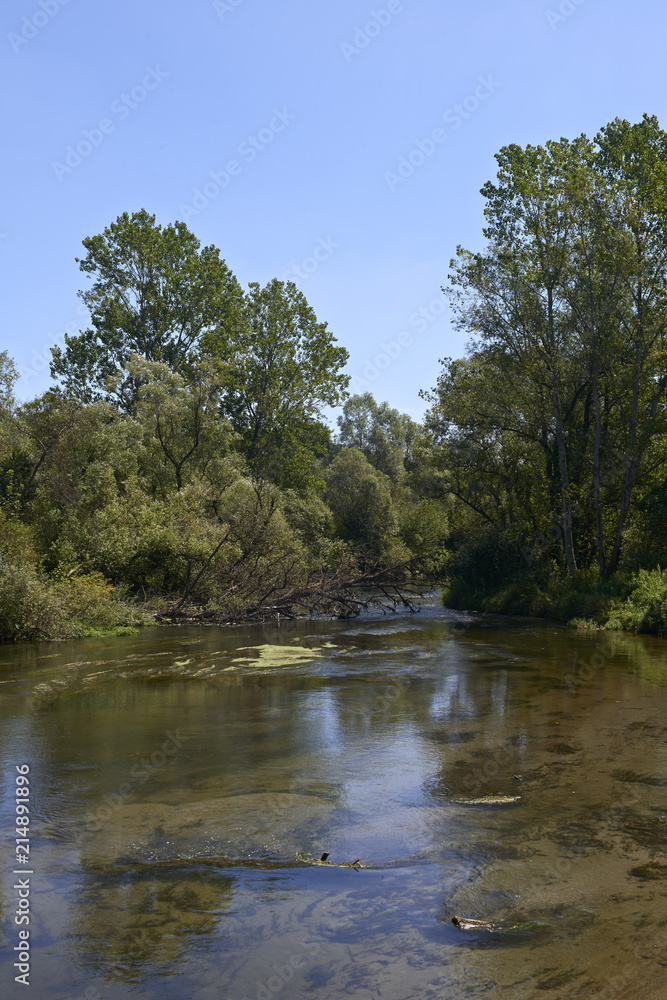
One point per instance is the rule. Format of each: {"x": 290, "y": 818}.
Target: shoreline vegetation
{"x": 179, "y": 469}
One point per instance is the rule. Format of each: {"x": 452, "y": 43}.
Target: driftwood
{"x": 466, "y": 924}
{"x": 340, "y": 594}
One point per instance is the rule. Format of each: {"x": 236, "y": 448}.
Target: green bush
{"x": 32, "y": 606}
{"x": 644, "y": 608}
{"x": 27, "y": 607}
{"x": 360, "y": 499}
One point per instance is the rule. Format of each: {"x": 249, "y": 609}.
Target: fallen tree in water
{"x": 341, "y": 594}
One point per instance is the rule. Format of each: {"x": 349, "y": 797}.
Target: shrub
{"x": 644, "y": 609}
{"x": 27, "y": 608}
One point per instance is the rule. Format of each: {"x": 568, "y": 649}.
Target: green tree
{"x": 155, "y": 293}
{"x": 633, "y": 159}
{"x": 284, "y": 366}
{"x": 568, "y": 299}
{"x": 360, "y": 499}
{"x": 512, "y": 293}
{"x": 185, "y": 437}
{"x": 384, "y": 435}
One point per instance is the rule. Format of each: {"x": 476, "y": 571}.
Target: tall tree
{"x": 378, "y": 430}
{"x": 512, "y": 294}
{"x": 284, "y": 366}
{"x": 155, "y": 293}
{"x": 634, "y": 157}
{"x": 569, "y": 298}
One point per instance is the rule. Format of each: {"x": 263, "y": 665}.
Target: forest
{"x": 181, "y": 468}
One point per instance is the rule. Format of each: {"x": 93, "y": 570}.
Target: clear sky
{"x": 277, "y": 130}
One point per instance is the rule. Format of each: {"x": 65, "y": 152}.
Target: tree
{"x": 185, "y": 436}
{"x": 284, "y": 366}
{"x": 512, "y": 294}
{"x": 634, "y": 158}
{"x": 155, "y": 293}
{"x": 382, "y": 433}
{"x": 360, "y": 499}
{"x": 563, "y": 397}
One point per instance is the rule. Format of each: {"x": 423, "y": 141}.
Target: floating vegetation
{"x": 518, "y": 927}
{"x": 269, "y": 656}
{"x": 467, "y": 924}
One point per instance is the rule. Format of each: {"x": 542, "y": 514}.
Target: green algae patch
{"x": 268, "y": 656}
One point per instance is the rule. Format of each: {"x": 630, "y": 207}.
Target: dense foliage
{"x": 551, "y": 431}
{"x": 180, "y": 465}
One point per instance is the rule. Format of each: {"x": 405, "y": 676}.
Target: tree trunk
{"x": 568, "y": 540}
{"x": 602, "y": 559}
{"x": 632, "y": 460}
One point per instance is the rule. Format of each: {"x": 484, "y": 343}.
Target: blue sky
{"x": 342, "y": 145}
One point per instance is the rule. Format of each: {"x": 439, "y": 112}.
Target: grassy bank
{"x": 634, "y": 602}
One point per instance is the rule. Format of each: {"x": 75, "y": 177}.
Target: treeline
{"x": 551, "y": 432}
{"x": 179, "y": 467}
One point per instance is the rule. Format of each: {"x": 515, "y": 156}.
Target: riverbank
{"x": 35, "y": 607}
{"x": 635, "y": 602}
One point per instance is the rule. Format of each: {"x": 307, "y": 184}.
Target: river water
{"x": 185, "y": 783}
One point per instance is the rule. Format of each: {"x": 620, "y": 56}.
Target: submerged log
{"x": 489, "y": 800}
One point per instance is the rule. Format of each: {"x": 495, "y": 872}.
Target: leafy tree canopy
{"x": 284, "y": 366}
{"x": 384, "y": 435}
{"x": 155, "y": 293}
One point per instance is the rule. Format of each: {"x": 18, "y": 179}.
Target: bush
{"x": 644, "y": 609}
{"x": 27, "y": 608}
{"x": 360, "y": 499}
{"x": 482, "y": 565}
{"x": 34, "y": 607}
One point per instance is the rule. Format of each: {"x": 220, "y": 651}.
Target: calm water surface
{"x": 184, "y": 783}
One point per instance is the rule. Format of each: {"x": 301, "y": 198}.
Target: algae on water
{"x": 279, "y": 656}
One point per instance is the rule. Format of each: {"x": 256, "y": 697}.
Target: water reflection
{"x": 185, "y": 783}
{"x": 138, "y": 923}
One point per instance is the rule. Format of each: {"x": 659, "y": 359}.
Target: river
{"x": 185, "y": 783}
